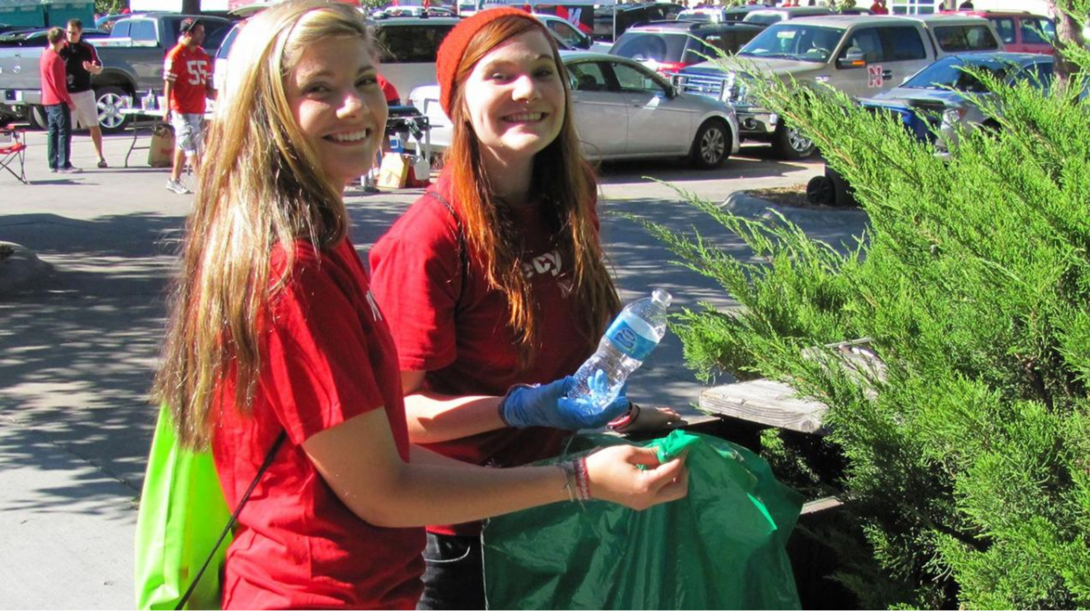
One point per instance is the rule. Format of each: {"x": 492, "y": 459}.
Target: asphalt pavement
{"x": 78, "y": 346}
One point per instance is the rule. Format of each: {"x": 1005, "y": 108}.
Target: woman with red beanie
{"x": 494, "y": 279}
{"x": 279, "y": 359}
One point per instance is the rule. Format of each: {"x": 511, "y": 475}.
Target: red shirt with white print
{"x": 327, "y": 356}
{"x": 189, "y": 70}
{"x": 459, "y": 334}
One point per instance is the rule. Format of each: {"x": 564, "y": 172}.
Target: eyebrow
{"x": 326, "y": 73}
{"x": 501, "y": 61}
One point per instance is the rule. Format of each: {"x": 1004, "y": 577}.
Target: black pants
{"x": 453, "y": 573}
{"x": 59, "y": 142}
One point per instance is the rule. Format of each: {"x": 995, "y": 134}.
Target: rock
{"x": 20, "y": 268}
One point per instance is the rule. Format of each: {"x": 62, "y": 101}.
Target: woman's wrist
{"x": 627, "y": 420}
{"x": 576, "y": 479}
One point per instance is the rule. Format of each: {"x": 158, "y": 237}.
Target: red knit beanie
{"x": 454, "y": 47}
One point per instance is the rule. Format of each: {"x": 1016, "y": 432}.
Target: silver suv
{"x": 859, "y": 55}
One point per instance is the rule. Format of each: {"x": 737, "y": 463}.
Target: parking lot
{"x": 79, "y": 347}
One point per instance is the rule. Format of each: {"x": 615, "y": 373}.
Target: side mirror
{"x": 853, "y": 58}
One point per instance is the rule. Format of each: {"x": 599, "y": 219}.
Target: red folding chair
{"x": 13, "y": 151}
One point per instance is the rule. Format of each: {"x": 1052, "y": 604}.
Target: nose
{"x": 353, "y": 105}
{"x": 525, "y": 88}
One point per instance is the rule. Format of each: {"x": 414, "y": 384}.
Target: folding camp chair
{"x": 13, "y": 151}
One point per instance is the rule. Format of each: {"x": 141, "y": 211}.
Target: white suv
{"x": 859, "y": 55}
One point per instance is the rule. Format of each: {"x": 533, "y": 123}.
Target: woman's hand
{"x": 549, "y": 405}
{"x": 615, "y": 476}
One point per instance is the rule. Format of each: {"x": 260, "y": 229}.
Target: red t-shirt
{"x": 460, "y": 336}
{"x": 54, "y": 80}
{"x": 327, "y": 357}
{"x": 188, "y": 70}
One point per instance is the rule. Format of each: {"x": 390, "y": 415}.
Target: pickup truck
{"x": 860, "y": 55}
{"x": 132, "y": 62}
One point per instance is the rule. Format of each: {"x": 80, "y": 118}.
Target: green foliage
{"x": 967, "y": 463}
{"x": 109, "y": 7}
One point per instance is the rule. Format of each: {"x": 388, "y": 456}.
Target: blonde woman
{"x": 274, "y": 334}
{"x": 495, "y": 277}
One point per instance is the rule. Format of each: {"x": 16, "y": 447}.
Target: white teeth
{"x": 350, "y": 137}
{"x": 528, "y": 116}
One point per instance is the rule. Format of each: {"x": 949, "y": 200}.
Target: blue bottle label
{"x": 625, "y": 338}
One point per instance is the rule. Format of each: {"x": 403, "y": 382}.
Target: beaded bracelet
{"x": 576, "y": 480}
{"x": 568, "y": 469}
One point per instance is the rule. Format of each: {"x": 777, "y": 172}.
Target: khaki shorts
{"x": 86, "y": 113}
{"x": 188, "y": 135}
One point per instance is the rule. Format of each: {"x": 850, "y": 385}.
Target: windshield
{"x": 950, "y": 73}
{"x": 798, "y": 42}
{"x": 644, "y": 46}
{"x": 763, "y": 18}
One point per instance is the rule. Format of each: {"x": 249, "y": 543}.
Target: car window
{"x": 763, "y": 18}
{"x": 642, "y": 46}
{"x": 1037, "y": 73}
{"x": 410, "y": 43}
{"x": 965, "y": 38}
{"x": 1005, "y": 27}
{"x": 215, "y": 32}
{"x": 869, "y": 42}
{"x": 225, "y": 46}
{"x": 587, "y": 76}
{"x": 904, "y": 44}
{"x": 950, "y": 73}
{"x": 567, "y": 33}
{"x": 790, "y": 41}
{"x": 1032, "y": 30}
{"x": 633, "y": 79}
{"x": 121, "y": 29}
{"x": 143, "y": 30}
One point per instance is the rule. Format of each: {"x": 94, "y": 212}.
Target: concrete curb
{"x": 21, "y": 269}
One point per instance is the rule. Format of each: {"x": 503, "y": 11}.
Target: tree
{"x": 967, "y": 460}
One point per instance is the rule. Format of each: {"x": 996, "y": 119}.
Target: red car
{"x": 1021, "y": 32}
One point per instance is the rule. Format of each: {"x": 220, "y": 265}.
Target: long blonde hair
{"x": 261, "y": 184}
{"x": 561, "y": 178}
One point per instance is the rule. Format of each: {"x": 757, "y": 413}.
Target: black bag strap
{"x": 234, "y": 518}
{"x": 463, "y": 254}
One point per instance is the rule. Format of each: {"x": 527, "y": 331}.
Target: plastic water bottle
{"x": 624, "y": 347}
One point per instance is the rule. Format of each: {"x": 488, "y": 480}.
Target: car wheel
{"x": 820, "y": 191}
{"x": 789, "y": 143}
{"x": 36, "y": 115}
{"x": 711, "y": 145}
{"x": 109, "y": 102}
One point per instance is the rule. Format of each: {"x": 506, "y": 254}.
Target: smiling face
{"x": 335, "y": 98}
{"x": 515, "y": 97}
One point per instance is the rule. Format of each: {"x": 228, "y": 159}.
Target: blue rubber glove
{"x": 549, "y": 405}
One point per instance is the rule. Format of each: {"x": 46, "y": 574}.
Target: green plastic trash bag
{"x": 722, "y": 547}
{"x": 182, "y": 513}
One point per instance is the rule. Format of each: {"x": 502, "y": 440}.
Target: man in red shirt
{"x": 187, "y": 75}
{"x": 57, "y": 102}
{"x": 879, "y": 8}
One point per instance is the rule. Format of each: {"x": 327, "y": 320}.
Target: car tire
{"x": 36, "y": 116}
{"x": 790, "y": 144}
{"x": 711, "y": 146}
{"x": 820, "y": 191}
{"x": 109, "y": 101}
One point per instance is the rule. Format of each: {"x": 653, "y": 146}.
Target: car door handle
{"x": 887, "y": 74}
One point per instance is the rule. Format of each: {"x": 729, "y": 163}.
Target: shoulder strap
{"x": 234, "y": 518}
{"x": 463, "y": 254}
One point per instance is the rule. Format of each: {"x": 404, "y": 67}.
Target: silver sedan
{"x": 625, "y": 111}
